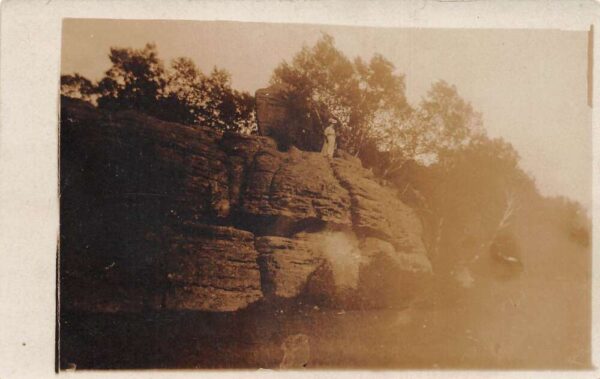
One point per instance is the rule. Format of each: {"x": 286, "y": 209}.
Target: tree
{"x": 136, "y": 80}
{"x": 191, "y": 97}
{"x": 184, "y": 95}
{"x": 480, "y": 187}
{"x": 226, "y": 108}
{"x": 443, "y": 123}
{"x": 360, "y": 96}
{"x": 78, "y": 87}
{"x": 571, "y": 217}
{"x": 452, "y": 121}
{"x": 405, "y": 139}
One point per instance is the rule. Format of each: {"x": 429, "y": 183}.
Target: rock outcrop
{"x": 156, "y": 215}
{"x": 376, "y": 210}
{"x": 281, "y": 117}
{"x": 271, "y": 109}
{"x": 295, "y": 186}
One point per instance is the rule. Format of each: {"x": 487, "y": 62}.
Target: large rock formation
{"x": 156, "y": 215}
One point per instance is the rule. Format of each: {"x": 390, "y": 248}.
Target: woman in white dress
{"x": 329, "y": 145}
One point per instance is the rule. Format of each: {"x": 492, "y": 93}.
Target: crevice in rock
{"x": 238, "y": 172}
{"x": 282, "y": 226}
{"x": 244, "y": 179}
{"x": 212, "y": 286}
{"x": 353, "y": 200}
{"x": 282, "y": 164}
{"x": 266, "y": 283}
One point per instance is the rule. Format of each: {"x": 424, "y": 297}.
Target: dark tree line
{"x": 180, "y": 93}
{"x": 366, "y": 98}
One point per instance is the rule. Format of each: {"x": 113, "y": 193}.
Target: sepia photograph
{"x": 296, "y": 196}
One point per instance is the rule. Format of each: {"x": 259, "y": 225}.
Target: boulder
{"x": 506, "y": 253}
{"x": 271, "y": 109}
{"x": 286, "y": 264}
{"x": 283, "y": 117}
{"x": 212, "y": 268}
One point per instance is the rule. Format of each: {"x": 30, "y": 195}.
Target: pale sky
{"x": 530, "y": 85}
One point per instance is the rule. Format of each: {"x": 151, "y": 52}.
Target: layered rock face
{"x": 156, "y": 215}
{"x": 376, "y": 210}
{"x": 295, "y": 186}
{"x": 212, "y": 268}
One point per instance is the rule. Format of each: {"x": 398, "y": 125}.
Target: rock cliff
{"x": 156, "y": 215}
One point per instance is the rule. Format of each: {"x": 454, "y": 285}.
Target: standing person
{"x": 329, "y": 144}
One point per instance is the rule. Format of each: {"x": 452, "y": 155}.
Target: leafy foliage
{"x": 367, "y": 101}
{"x": 194, "y": 98}
{"x": 452, "y": 121}
{"x": 139, "y": 80}
{"x": 360, "y": 96}
{"x": 136, "y": 80}
{"x": 78, "y": 87}
{"x": 572, "y": 218}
